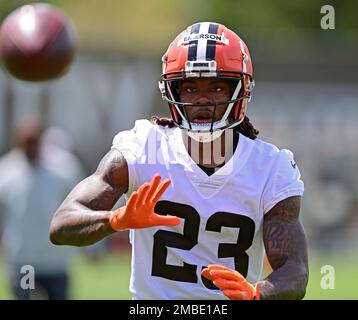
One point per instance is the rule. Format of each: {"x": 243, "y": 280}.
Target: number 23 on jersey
{"x": 189, "y": 239}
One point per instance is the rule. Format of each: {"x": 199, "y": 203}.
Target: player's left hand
{"x": 231, "y": 283}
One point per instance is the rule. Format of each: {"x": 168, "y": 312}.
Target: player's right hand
{"x": 139, "y": 211}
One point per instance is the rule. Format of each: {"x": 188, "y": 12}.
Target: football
{"x": 37, "y": 43}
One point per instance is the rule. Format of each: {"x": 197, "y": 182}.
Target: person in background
{"x": 57, "y": 154}
{"x": 30, "y": 190}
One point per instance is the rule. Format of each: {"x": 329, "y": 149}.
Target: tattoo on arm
{"x": 286, "y": 251}
{"x": 107, "y": 184}
{"x": 83, "y": 218}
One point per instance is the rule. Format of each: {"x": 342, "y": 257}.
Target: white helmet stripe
{"x": 202, "y": 42}
{"x": 244, "y": 58}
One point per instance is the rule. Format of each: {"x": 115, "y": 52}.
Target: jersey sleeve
{"x": 131, "y": 143}
{"x": 284, "y": 181}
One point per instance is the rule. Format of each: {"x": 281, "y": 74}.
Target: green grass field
{"x": 108, "y": 278}
{"x": 346, "y": 280}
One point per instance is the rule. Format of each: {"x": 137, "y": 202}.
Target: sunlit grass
{"x": 108, "y": 278}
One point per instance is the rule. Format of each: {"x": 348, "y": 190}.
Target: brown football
{"x": 37, "y": 42}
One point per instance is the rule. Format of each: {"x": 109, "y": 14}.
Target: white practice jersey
{"x": 221, "y": 214}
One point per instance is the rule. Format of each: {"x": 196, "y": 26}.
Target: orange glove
{"x": 139, "y": 211}
{"x": 231, "y": 283}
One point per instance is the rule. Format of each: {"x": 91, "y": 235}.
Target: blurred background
{"x": 306, "y": 99}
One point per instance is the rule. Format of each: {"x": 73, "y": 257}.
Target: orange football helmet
{"x": 207, "y": 49}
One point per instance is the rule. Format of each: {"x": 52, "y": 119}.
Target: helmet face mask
{"x": 207, "y": 50}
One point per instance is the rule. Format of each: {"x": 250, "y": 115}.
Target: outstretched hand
{"x": 139, "y": 211}
{"x": 232, "y": 283}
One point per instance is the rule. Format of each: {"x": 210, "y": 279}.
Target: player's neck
{"x": 211, "y": 154}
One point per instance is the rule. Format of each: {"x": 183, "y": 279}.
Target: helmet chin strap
{"x": 205, "y": 136}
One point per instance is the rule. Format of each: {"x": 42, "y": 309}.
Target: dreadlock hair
{"x": 163, "y": 121}
{"x": 245, "y": 127}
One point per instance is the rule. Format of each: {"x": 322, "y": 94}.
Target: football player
{"x": 205, "y": 196}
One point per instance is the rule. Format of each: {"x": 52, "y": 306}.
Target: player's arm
{"x": 83, "y": 217}
{"x": 286, "y": 249}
